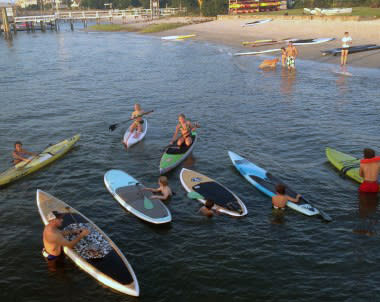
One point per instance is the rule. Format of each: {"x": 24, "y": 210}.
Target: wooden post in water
{"x": 72, "y": 24}
{"x": 14, "y": 28}
{"x": 33, "y": 28}
{"x": 14, "y": 21}
{"x": 7, "y": 30}
{"x": 27, "y": 26}
{"x": 42, "y": 24}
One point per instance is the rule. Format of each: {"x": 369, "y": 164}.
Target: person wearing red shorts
{"x": 369, "y": 170}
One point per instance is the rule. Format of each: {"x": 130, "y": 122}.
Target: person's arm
{"x": 151, "y": 189}
{"x": 297, "y": 199}
{"x": 16, "y": 156}
{"x": 29, "y": 153}
{"x": 175, "y": 135}
{"x": 164, "y": 196}
{"x": 70, "y": 244}
{"x": 361, "y": 171}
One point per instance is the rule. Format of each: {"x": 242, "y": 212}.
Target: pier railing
{"x": 101, "y": 14}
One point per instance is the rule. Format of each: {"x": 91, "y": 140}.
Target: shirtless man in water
{"x": 291, "y": 55}
{"x": 280, "y": 199}
{"x": 19, "y": 154}
{"x": 54, "y": 239}
{"x": 369, "y": 170}
{"x": 185, "y": 127}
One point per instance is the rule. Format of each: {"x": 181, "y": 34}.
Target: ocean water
{"x": 54, "y": 85}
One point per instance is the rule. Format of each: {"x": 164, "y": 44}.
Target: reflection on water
{"x": 367, "y": 209}
{"x": 288, "y": 78}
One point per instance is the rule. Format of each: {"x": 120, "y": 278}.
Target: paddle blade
{"x": 194, "y": 195}
{"x": 326, "y": 217}
{"x": 112, "y": 127}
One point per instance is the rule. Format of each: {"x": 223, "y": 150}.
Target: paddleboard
{"x": 225, "y": 200}
{"x": 266, "y": 183}
{"x": 130, "y": 194}
{"x": 175, "y": 155}
{"x": 133, "y": 140}
{"x": 351, "y": 50}
{"x": 49, "y": 155}
{"x": 344, "y": 73}
{"x": 311, "y": 41}
{"x": 107, "y": 264}
{"x": 177, "y": 37}
{"x": 251, "y": 53}
{"x": 253, "y": 23}
{"x": 345, "y": 163}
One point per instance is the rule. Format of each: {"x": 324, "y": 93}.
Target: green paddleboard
{"x": 346, "y": 164}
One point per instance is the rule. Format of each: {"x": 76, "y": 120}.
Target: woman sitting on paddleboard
{"x": 19, "y": 154}
{"x": 186, "y": 127}
{"x": 137, "y": 124}
{"x": 163, "y": 188}
{"x": 280, "y": 199}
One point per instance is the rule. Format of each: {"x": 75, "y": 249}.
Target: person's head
{"x": 209, "y": 204}
{"x": 55, "y": 218}
{"x": 137, "y": 107}
{"x": 283, "y": 49}
{"x": 280, "y": 189}
{"x": 290, "y": 43}
{"x": 163, "y": 180}
{"x": 181, "y": 118}
{"x": 369, "y": 153}
{"x": 346, "y": 33}
{"x": 18, "y": 145}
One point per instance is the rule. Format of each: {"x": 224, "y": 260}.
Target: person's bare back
{"x": 370, "y": 171}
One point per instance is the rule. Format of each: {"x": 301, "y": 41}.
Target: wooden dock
{"x": 42, "y": 22}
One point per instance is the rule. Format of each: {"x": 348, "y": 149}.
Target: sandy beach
{"x": 230, "y": 32}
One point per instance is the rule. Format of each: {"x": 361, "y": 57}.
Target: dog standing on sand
{"x": 269, "y": 63}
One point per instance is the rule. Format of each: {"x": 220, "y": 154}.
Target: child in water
{"x": 283, "y": 56}
{"x": 163, "y": 188}
{"x": 137, "y": 123}
{"x": 207, "y": 210}
{"x": 280, "y": 199}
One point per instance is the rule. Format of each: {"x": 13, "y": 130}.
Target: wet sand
{"x": 230, "y": 32}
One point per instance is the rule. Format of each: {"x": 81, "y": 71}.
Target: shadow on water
{"x": 367, "y": 213}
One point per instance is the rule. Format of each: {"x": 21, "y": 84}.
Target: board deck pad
{"x": 174, "y": 149}
{"x": 220, "y": 195}
{"x": 141, "y": 202}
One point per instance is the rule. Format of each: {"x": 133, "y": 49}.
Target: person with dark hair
{"x": 283, "y": 56}
{"x": 369, "y": 170}
{"x": 19, "y": 154}
{"x": 207, "y": 209}
{"x": 185, "y": 127}
{"x": 281, "y": 198}
{"x": 291, "y": 54}
{"x": 163, "y": 188}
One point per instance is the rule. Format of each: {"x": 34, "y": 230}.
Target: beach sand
{"x": 231, "y": 33}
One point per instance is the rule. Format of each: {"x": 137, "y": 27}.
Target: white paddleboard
{"x": 343, "y": 73}
{"x": 130, "y": 195}
{"x": 313, "y": 41}
{"x": 182, "y": 37}
{"x": 251, "y": 53}
{"x": 135, "y": 138}
{"x": 253, "y": 23}
{"x": 108, "y": 265}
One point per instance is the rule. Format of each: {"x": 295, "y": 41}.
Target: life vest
{"x": 370, "y": 160}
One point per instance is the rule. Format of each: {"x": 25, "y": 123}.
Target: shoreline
{"x": 231, "y": 33}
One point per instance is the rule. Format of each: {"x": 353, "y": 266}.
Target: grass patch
{"x": 112, "y": 28}
{"x": 154, "y": 28}
{"x": 356, "y": 11}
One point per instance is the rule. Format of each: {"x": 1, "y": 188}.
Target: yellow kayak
{"x": 46, "y": 157}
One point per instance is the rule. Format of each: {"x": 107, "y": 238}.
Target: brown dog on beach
{"x": 269, "y": 64}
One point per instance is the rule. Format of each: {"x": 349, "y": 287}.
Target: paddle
{"x": 114, "y": 126}
{"x": 195, "y": 195}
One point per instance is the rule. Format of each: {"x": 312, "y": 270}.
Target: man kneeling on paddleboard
{"x": 186, "y": 127}
{"x": 19, "y": 154}
{"x": 280, "y": 199}
{"x": 54, "y": 238}
{"x": 369, "y": 170}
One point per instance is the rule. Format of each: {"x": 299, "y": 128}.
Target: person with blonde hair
{"x": 163, "y": 188}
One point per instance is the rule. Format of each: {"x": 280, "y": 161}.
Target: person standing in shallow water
{"x": 346, "y": 43}
{"x": 291, "y": 55}
{"x": 369, "y": 170}
{"x": 54, "y": 239}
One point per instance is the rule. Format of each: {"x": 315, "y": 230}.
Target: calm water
{"x": 55, "y": 85}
